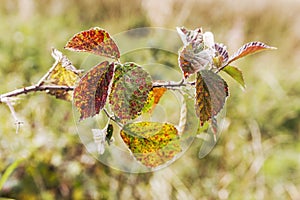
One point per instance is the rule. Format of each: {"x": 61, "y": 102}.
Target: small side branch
{"x": 8, "y": 98}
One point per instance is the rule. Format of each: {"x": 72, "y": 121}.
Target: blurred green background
{"x": 258, "y": 154}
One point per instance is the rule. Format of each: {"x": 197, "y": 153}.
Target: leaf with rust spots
{"x": 152, "y": 143}
{"x": 211, "y": 93}
{"x": 91, "y": 93}
{"x": 96, "y": 41}
{"x": 130, "y": 90}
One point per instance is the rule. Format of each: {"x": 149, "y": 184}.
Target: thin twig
{"x": 34, "y": 88}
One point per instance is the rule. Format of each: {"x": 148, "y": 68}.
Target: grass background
{"x": 258, "y": 154}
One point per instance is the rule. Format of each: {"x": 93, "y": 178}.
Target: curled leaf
{"x": 130, "y": 90}
{"x": 236, "y": 74}
{"x": 62, "y": 73}
{"x": 191, "y": 62}
{"x": 152, "y": 143}
{"x": 96, "y": 41}
{"x": 249, "y": 48}
{"x": 211, "y": 93}
{"x": 91, "y": 93}
{"x": 222, "y": 56}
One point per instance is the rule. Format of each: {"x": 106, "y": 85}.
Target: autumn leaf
{"x": 153, "y": 98}
{"x": 222, "y": 56}
{"x": 91, "y": 93}
{"x": 96, "y": 41}
{"x": 152, "y": 143}
{"x": 236, "y": 74}
{"x": 130, "y": 90}
{"x": 249, "y": 48}
{"x": 191, "y": 61}
{"x": 211, "y": 93}
{"x": 198, "y": 51}
{"x": 190, "y": 36}
{"x": 62, "y": 73}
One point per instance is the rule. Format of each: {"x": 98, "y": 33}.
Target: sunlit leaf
{"x": 211, "y": 93}
{"x": 187, "y": 36}
{"x": 94, "y": 40}
{"x": 130, "y": 90}
{"x": 153, "y": 98}
{"x": 62, "y": 73}
{"x": 249, "y": 48}
{"x": 191, "y": 61}
{"x": 152, "y": 143}
{"x": 235, "y": 73}
{"x": 222, "y": 56}
{"x": 91, "y": 93}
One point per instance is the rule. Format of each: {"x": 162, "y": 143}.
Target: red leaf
{"x": 249, "y": 48}
{"x": 91, "y": 93}
{"x": 94, "y": 40}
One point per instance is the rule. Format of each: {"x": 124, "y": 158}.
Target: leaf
{"x": 188, "y": 36}
{"x": 211, "y": 93}
{"x": 96, "y": 41}
{"x": 191, "y": 62}
{"x": 249, "y": 48}
{"x": 130, "y": 90}
{"x": 153, "y": 98}
{"x": 62, "y": 73}
{"x": 235, "y": 73}
{"x": 152, "y": 143}
{"x": 222, "y": 56}
{"x": 10, "y": 169}
{"x": 91, "y": 93}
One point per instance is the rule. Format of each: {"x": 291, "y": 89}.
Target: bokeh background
{"x": 257, "y": 155}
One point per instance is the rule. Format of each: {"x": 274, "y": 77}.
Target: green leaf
{"x": 249, "y": 48}
{"x": 91, "y": 93}
{"x": 211, "y": 93}
{"x": 8, "y": 172}
{"x": 152, "y": 143}
{"x": 62, "y": 73}
{"x": 96, "y": 41}
{"x": 130, "y": 90}
{"x": 235, "y": 73}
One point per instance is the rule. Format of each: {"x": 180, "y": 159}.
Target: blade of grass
{"x": 9, "y": 171}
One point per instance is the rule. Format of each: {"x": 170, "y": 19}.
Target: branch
{"x": 33, "y": 88}
{"x": 172, "y": 84}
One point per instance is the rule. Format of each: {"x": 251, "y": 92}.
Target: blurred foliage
{"x": 257, "y": 156}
